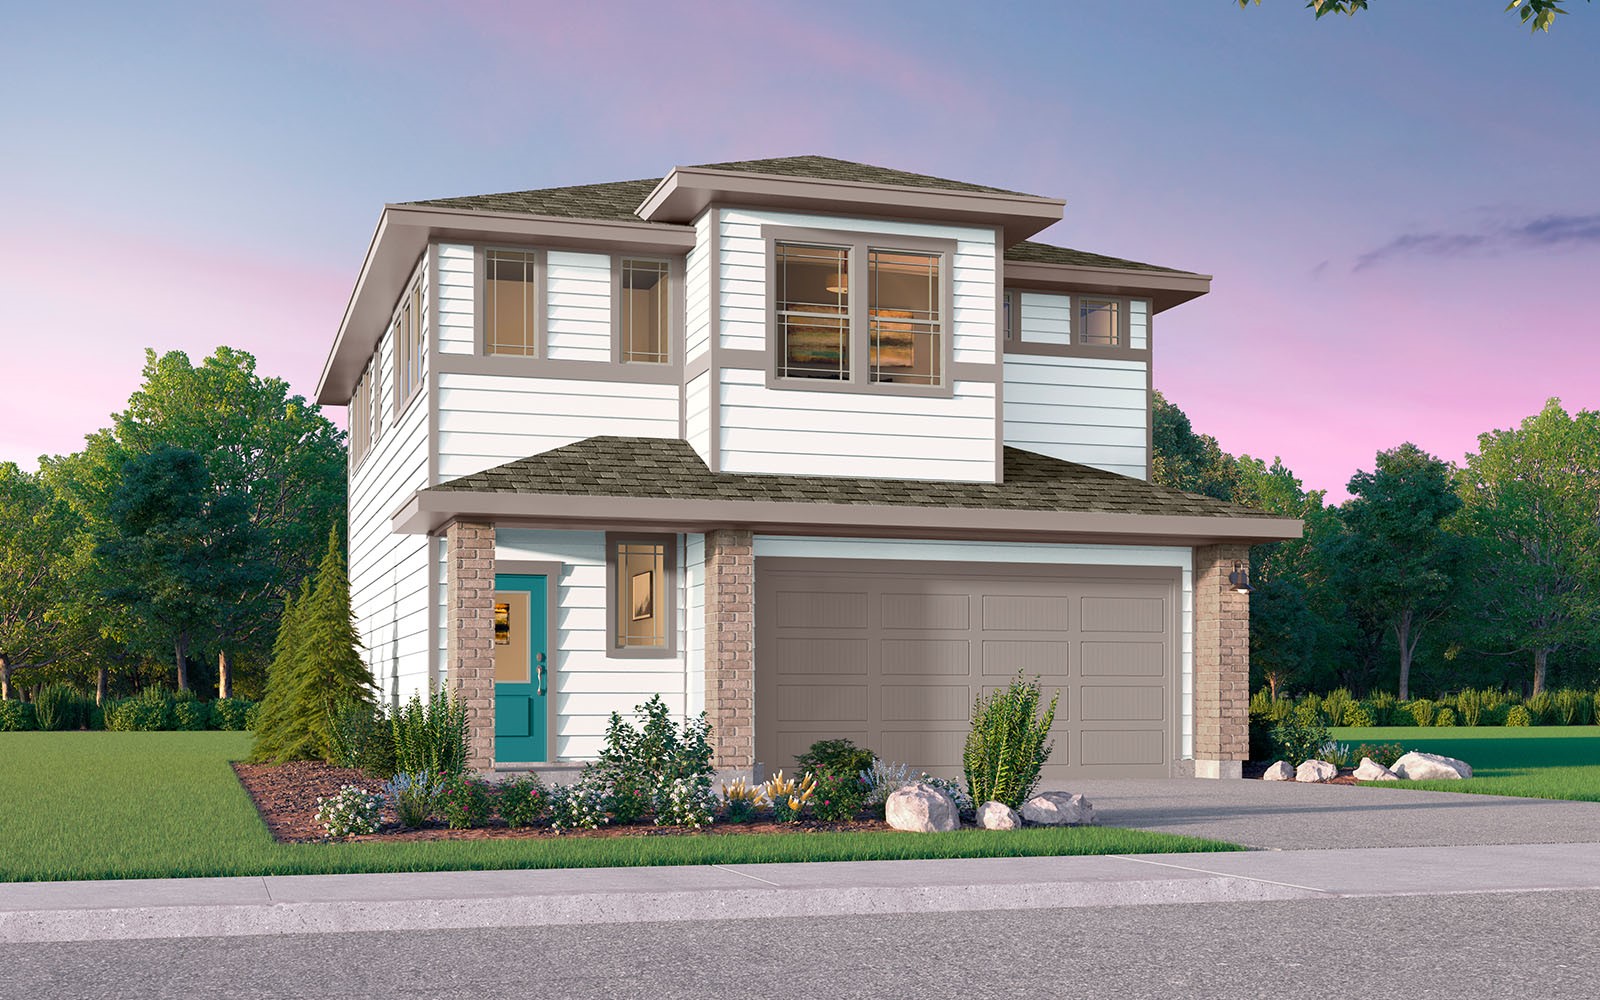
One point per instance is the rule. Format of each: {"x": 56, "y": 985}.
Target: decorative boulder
{"x": 1419, "y": 766}
{"x": 921, "y": 808}
{"x": 1281, "y": 771}
{"x": 998, "y": 816}
{"x": 1316, "y": 770}
{"x": 1371, "y": 770}
{"x": 1058, "y": 809}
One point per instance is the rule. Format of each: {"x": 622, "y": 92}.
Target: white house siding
{"x": 578, "y": 306}
{"x": 487, "y": 420}
{"x": 694, "y": 585}
{"x": 697, "y": 415}
{"x": 1139, "y": 324}
{"x": 456, "y": 285}
{"x": 388, "y": 571}
{"x": 589, "y": 686}
{"x": 1176, "y": 557}
{"x": 1046, "y": 318}
{"x": 697, "y": 292}
{"x": 1082, "y": 410}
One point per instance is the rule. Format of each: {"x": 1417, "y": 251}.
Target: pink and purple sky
{"x": 1401, "y": 210}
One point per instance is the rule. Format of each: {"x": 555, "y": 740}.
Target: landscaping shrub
{"x": 840, "y": 797}
{"x": 685, "y": 801}
{"x": 1446, "y": 717}
{"x": 1541, "y": 709}
{"x": 1335, "y": 704}
{"x": 836, "y": 757}
{"x": 361, "y": 738}
{"x": 190, "y": 716}
{"x": 1008, "y": 743}
{"x": 789, "y": 797}
{"x": 578, "y": 806}
{"x": 1381, "y": 753}
{"x": 151, "y": 710}
{"x": 59, "y": 707}
{"x": 413, "y": 795}
{"x": 1422, "y": 711}
{"x": 1518, "y": 715}
{"x": 430, "y": 738}
{"x": 16, "y": 716}
{"x": 656, "y": 768}
{"x": 1571, "y": 708}
{"x": 465, "y": 802}
{"x": 230, "y": 714}
{"x": 1359, "y": 714}
{"x": 97, "y": 717}
{"x": 349, "y": 812}
{"x": 1337, "y": 754}
{"x": 1301, "y": 735}
{"x": 1469, "y": 704}
{"x": 953, "y": 789}
{"x": 521, "y": 800}
{"x": 740, "y": 801}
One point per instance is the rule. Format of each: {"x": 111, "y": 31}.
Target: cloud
{"x": 1542, "y": 233}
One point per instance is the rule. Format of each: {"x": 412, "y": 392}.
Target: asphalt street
{"x": 1501, "y": 945}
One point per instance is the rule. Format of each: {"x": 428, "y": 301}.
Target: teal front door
{"x": 522, "y": 668}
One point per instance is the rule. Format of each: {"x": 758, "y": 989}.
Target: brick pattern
{"x": 1221, "y": 656}
{"x": 469, "y": 657}
{"x": 730, "y": 646}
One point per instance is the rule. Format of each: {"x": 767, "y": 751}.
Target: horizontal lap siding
{"x": 456, "y": 309}
{"x": 487, "y": 420}
{"x": 697, "y": 291}
{"x": 578, "y": 306}
{"x": 388, "y": 571}
{"x": 695, "y": 625}
{"x": 1176, "y": 557}
{"x": 697, "y": 415}
{"x": 589, "y": 686}
{"x": 1079, "y": 409}
{"x": 855, "y": 433}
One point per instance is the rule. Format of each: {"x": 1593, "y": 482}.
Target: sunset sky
{"x": 1400, "y": 210}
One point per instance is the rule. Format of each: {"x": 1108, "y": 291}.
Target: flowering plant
{"x": 349, "y": 811}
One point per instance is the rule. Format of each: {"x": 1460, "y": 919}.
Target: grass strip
{"x": 163, "y": 805}
{"x": 1544, "y": 762}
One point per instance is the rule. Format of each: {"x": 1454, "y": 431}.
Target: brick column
{"x": 730, "y": 646}
{"x": 469, "y": 656}
{"x": 1221, "y": 663}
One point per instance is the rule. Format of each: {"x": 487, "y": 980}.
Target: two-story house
{"x": 819, "y": 448}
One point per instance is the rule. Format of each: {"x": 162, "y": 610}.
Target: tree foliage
{"x": 36, "y": 531}
{"x": 1538, "y": 15}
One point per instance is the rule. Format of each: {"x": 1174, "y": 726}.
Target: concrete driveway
{"x": 1287, "y": 816}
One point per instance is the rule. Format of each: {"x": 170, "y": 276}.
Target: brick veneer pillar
{"x": 1221, "y": 664}
{"x": 730, "y": 646}
{"x": 469, "y": 648}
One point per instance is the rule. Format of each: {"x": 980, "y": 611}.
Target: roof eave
{"x": 687, "y": 191}
{"x": 428, "y": 511}
{"x": 1166, "y": 289}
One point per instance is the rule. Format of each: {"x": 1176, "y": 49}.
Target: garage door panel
{"x": 790, "y": 745}
{"x": 824, "y": 703}
{"x": 1059, "y": 724}
{"x": 1122, "y": 747}
{"x": 927, "y": 611}
{"x": 1034, "y": 657}
{"x": 937, "y": 751}
{"x": 804, "y": 657}
{"x": 926, "y": 657}
{"x": 1122, "y": 659}
{"x": 821, "y": 609}
{"x": 926, "y": 703}
{"x": 1120, "y": 703}
{"x": 1026, "y": 612}
{"x": 1124, "y": 614}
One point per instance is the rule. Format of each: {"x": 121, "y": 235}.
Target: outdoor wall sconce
{"x": 1240, "y": 579}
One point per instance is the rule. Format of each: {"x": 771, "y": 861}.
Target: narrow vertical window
{"x": 813, "y": 311}
{"x": 645, "y": 311}
{"x": 1100, "y": 322}
{"x": 904, "y": 324}
{"x": 509, "y": 303}
{"x": 642, "y": 613}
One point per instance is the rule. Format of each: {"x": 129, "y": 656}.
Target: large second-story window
{"x": 644, "y": 315}
{"x": 904, "y": 317}
{"x": 813, "y": 311}
{"x": 509, "y": 303}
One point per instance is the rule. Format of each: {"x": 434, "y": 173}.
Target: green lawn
{"x": 150, "y": 805}
{"x": 1541, "y": 762}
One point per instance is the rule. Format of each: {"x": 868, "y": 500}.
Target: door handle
{"x": 544, "y": 677}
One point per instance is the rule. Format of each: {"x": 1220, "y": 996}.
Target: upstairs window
{"x": 1100, "y": 322}
{"x": 360, "y": 419}
{"x": 408, "y": 347}
{"x": 510, "y": 303}
{"x": 813, "y": 311}
{"x": 904, "y": 318}
{"x": 643, "y": 312}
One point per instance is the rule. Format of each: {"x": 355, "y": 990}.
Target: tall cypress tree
{"x": 272, "y": 727}
{"x": 319, "y": 669}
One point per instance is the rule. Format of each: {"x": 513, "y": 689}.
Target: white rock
{"x": 921, "y": 809}
{"x": 998, "y": 816}
{"x": 1371, "y": 770}
{"x": 1281, "y": 771}
{"x": 1316, "y": 770}
{"x": 1058, "y": 809}
{"x": 1419, "y": 766}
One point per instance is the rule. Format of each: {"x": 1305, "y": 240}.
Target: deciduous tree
{"x": 36, "y": 531}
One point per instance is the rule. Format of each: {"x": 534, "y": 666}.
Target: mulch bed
{"x": 286, "y": 797}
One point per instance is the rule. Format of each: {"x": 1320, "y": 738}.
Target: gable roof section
{"x": 644, "y": 479}
{"x": 1031, "y": 252}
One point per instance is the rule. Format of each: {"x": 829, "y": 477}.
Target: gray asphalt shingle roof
{"x": 669, "y": 469}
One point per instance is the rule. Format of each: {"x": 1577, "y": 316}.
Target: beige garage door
{"x": 891, "y": 655}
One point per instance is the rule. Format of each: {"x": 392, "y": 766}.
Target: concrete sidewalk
{"x": 161, "y": 908}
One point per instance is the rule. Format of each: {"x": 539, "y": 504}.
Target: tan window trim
{"x": 859, "y": 243}
{"x": 541, "y": 307}
{"x": 410, "y": 338}
{"x": 1124, "y": 352}
{"x": 675, "y": 307}
{"x": 669, "y": 593}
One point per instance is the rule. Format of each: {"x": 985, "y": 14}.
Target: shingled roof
{"x": 1030, "y": 252}
{"x": 669, "y": 469}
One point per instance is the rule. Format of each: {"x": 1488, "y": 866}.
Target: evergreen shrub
{"x": 16, "y": 716}
{"x": 1008, "y": 743}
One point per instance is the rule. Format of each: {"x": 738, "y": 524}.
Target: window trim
{"x": 669, "y": 590}
{"x": 675, "y": 308}
{"x": 859, "y": 243}
{"x": 409, "y": 313}
{"x": 480, "y": 289}
{"x": 359, "y": 418}
{"x": 1015, "y": 345}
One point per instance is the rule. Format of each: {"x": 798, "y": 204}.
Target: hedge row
{"x": 60, "y": 707}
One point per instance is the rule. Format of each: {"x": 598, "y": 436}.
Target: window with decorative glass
{"x": 644, "y": 312}
{"x": 813, "y": 304}
{"x": 640, "y": 572}
{"x": 408, "y": 347}
{"x": 1100, "y": 322}
{"x": 510, "y": 303}
{"x": 904, "y": 321}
